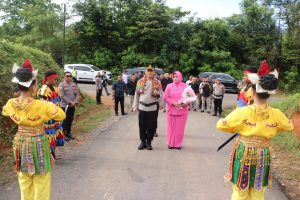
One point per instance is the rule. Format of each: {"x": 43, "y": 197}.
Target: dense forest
{"x": 118, "y": 34}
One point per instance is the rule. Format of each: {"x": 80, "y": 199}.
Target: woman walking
{"x": 250, "y": 160}
{"x": 33, "y": 159}
{"x": 177, "y": 112}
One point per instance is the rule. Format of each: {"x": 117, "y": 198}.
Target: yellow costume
{"x": 31, "y": 146}
{"x": 250, "y": 160}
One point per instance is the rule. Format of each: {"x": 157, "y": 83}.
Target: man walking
{"x": 195, "y": 86}
{"x": 131, "y": 86}
{"x": 98, "y": 82}
{"x": 118, "y": 90}
{"x": 147, "y": 100}
{"x": 205, "y": 90}
{"x": 218, "y": 95}
{"x": 167, "y": 80}
{"x": 104, "y": 83}
{"x": 69, "y": 94}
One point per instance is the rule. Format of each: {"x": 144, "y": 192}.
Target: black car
{"x": 205, "y": 74}
{"x": 228, "y": 81}
{"x": 142, "y": 70}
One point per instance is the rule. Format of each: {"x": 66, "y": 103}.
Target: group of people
{"x": 209, "y": 94}
{"x": 254, "y": 123}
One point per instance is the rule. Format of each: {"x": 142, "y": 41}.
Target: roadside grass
{"x": 92, "y": 119}
{"x": 287, "y": 141}
{"x": 89, "y": 115}
{"x": 289, "y": 106}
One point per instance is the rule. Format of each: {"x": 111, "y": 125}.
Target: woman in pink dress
{"x": 176, "y": 113}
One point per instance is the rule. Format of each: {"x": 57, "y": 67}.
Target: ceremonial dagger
{"x": 227, "y": 141}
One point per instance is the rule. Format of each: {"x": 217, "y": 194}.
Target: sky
{"x": 206, "y": 9}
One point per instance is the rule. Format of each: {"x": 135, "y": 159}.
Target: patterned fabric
{"x": 32, "y": 154}
{"x": 250, "y": 165}
{"x": 156, "y": 86}
{"x": 53, "y": 128}
{"x": 245, "y": 97}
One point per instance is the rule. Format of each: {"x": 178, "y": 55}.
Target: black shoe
{"x": 155, "y": 134}
{"x": 149, "y": 147}
{"x": 124, "y": 113}
{"x": 68, "y": 138}
{"x": 215, "y": 114}
{"x": 202, "y": 110}
{"x": 195, "y": 110}
{"x": 179, "y": 148}
{"x": 164, "y": 111}
{"x": 116, "y": 114}
{"x": 142, "y": 145}
{"x": 208, "y": 111}
{"x": 169, "y": 147}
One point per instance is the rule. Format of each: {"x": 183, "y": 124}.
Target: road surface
{"x": 110, "y": 167}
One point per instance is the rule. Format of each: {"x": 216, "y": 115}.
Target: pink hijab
{"x": 179, "y": 76}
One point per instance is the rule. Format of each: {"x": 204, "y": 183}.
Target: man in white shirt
{"x": 125, "y": 77}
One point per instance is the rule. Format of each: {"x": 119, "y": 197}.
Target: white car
{"x": 85, "y": 72}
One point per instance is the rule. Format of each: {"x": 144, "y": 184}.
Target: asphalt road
{"x": 110, "y": 167}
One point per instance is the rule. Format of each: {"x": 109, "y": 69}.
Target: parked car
{"x": 137, "y": 70}
{"x": 228, "y": 81}
{"x": 85, "y": 72}
{"x": 205, "y": 74}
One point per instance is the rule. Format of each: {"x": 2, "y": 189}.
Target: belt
{"x": 31, "y": 130}
{"x": 255, "y": 141}
{"x": 148, "y": 104}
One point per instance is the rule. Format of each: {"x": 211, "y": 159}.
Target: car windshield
{"x": 227, "y": 77}
{"x": 94, "y": 68}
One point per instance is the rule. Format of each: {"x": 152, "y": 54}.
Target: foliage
{"x": 118, "y": 34}
{"x": 34, "y": 23}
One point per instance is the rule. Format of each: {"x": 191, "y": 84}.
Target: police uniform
{"x": 68, "y": 93}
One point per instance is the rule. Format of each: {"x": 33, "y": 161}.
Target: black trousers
{"x": 218, "y": 105}
{"x": 121, "y": 100}
{"x": 156, "y": 116}
{"x": 67, "y": 123}
{"x": 147, "y": 123}
{"x": 105, "y": 87}
{"x": 98, "y": 96}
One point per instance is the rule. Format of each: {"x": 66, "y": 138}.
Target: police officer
{"x": 69, "y": 94}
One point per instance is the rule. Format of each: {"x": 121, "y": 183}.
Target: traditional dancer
{"x": 147, "y": 100}
{"x": 177, "y": 113}
{"x": 250, "y": 160}
{"x": 53, "y": 128}
{"x": 33, "y": 159}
